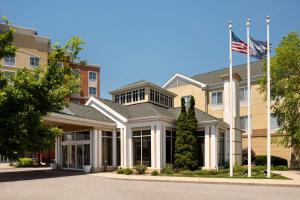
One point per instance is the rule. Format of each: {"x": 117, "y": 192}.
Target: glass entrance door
{"x": 75, "y": 155}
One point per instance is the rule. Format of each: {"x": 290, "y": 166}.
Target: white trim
{"x": 62, "y": 118}
{"x": 192, "y": 81}
{"x": 96, "y": 101}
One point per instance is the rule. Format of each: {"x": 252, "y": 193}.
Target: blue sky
{"x": 155, "y": 39}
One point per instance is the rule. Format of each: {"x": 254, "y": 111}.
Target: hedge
{"x": 275, "y": 161}
{"x": 25, "y": 162}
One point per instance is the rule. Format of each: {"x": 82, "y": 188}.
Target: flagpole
{"x": 249, "y": 97}
{"x": 268, "y": 100}
{"x": 230, "y": 102}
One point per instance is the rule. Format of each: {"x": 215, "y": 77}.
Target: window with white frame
{"x": 128, "y": 96}
{"x": 117, "y": 98}
{"x": 92, "y": 76}
{"x": 10, "y": 61}
{"x": 243, "y": 94}
{"x": 34, "y": 61}
{"x": 92, "y": 91}
{"x": 217, "y": 98}
{"x": 244, "y": 122}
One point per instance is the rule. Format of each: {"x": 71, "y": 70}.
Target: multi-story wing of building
{"x": 211, "y": 93}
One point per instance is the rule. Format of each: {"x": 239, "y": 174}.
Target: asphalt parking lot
{"x": 31, "y": 183}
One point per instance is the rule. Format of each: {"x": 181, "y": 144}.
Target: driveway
{"x": 46, "y": 184}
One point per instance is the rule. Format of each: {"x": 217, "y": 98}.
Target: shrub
{"x": 25, "y": 162}
{"x": 120, "y": 170}
{"x": 245, "y": 156}
{"x": 275, "y": 161}
{"x": 226, "y": 164}
{"x": 168, "y": 170}
{"x": 209, "y": 172}
{"x": 154, "y": 173}
{"x": 187, "y": 173}
{"x": 280, "y": 168}
{"x": 126, "y": 171}
{"x": 141, "y": 169}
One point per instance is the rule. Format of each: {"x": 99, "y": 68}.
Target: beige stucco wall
{"x": 259, "y": 146}
{"x": 28, "y": 45}
{"x": 186, "y": 90}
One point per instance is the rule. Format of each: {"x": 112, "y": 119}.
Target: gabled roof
{"x": 86, "y": 112}
{"x": 141, "y": 83}
{"x": 214, "y": 77}
{"x": 185, "y": 78}
{"x": 147, "y": 109}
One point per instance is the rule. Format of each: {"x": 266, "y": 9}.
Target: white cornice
{"x": 62, "y": 118}
{"x": 105, "y": 108}
{"x": 192, "y": 81}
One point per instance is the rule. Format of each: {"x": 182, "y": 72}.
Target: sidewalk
{"x": 293, "y": 175}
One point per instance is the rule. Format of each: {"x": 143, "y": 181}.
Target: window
{"x": 216, "y": 98}
{"x": 273, "y": 122}
{"x": 10, "y": 60}
{"x": 118, "y": 148}
{"x": 141, "y": 142}
{"x": 83, "y": 135}
{"x": 92, "y": 91}
{"x": 92, "y": 76}
{"x": 117, "y": 98}
{"x": 107, "y": 148}
{"x": 201, "y": 147}
{"x": 151, "y": 95}
{"x": 243, "y": 94}
{"x": 170, "y": 146}
{"x": 221, "y": 149}
{"x": 34, "y": 61}
{"x": 135, "y": 95}
{"x": 244, "y": 122}
{"x": 128, "y": 95}
{"x": 122, "y": 98}
{"x": 170, "y": 102}
{"x": 187, "y": 100}
{"x": 142, "y": 94}
{"x": 156, "y": 96}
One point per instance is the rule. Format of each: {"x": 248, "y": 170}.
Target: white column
{"x": 207, "y": 148}
{"x": 164, "y": 147}
{"x": 214, "y": 146}
{"x": 95, "y": 152}
{"x": 128, "y": 146}
{"x": 153, "y": 145}
{"x": 100, "y": 159}
{"x": 114, "y": 141}
{"x": 122, "y": 138}
{"x": 159, "y": 130}
{"x": 58, "y": 151}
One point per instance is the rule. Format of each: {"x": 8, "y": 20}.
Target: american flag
{"x": 238, "y": 45}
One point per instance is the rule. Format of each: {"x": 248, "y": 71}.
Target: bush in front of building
{"x": 25, "y": 162}
{"x": 275, "y": 161}
{"x": 140, "y": 169}
{"x": 154, "y": 173}
{"x": 125, "y": 171}
{"x": 168, "y": 170}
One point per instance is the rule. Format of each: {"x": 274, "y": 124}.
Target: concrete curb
{"x": 200, "y": 181}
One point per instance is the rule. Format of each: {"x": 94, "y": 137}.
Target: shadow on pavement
{"x": 9, "y": 176}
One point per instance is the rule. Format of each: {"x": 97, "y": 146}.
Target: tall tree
{"x": 285, "y": 89}
{"x": 184, "y": 149}
{"x": 27, "y": 98}
{"x": 192, "y": 128}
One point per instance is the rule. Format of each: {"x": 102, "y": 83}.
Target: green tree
{"x": 285, "y": 89}
{"x": 6, "y": 38}
{"x": 185, "y": 142}
{"x": 27, "y": 98}
{"x": 192, "y": 127}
